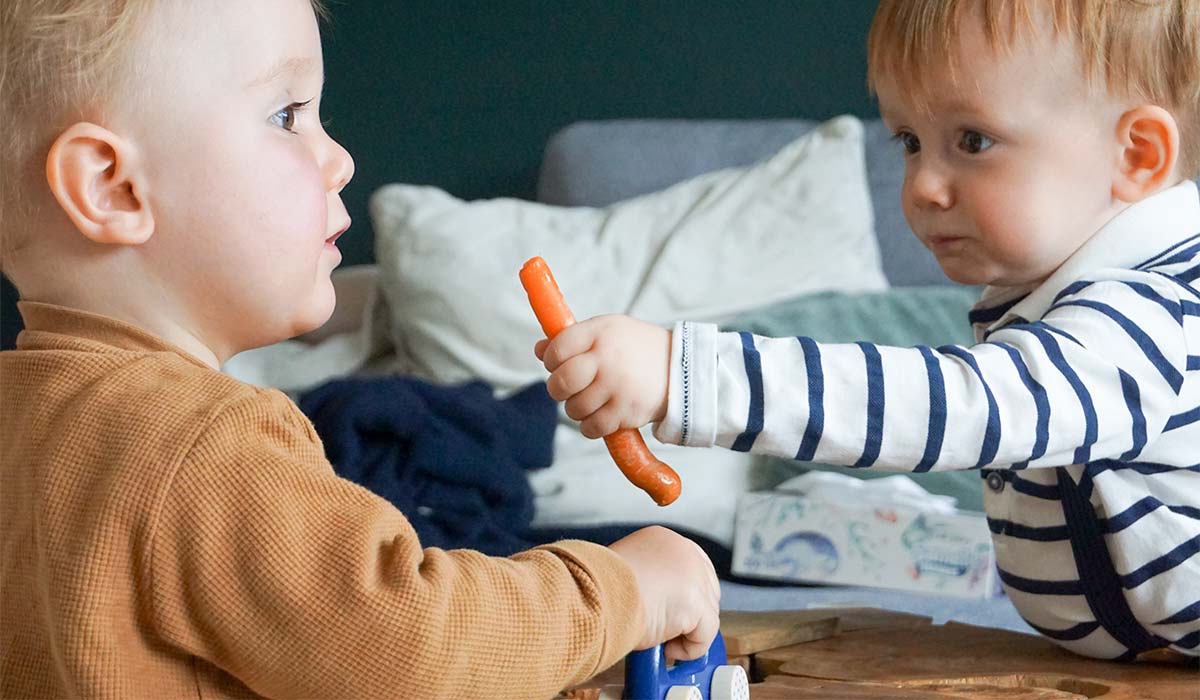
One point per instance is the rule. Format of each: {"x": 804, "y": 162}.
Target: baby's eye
{"x": 286, "y": 118}
{"x": 974, "y": 142}
{"x": 908, "y": 140}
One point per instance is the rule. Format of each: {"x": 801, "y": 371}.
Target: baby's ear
{"x": 1148, "y": 137}
{"x": 97, "y": 178}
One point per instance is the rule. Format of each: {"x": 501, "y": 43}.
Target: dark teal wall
{"x": 463, "y": 94}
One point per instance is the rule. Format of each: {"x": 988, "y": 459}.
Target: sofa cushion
{"x": 726, "y": 242}
{"x": 595, "y": 163}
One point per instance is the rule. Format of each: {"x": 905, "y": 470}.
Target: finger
{"x": 571, "y": 377}
{"x": 714, "y": 583}
{"x": 695, "y": 643}
{"x": 712, "y": 597}
{"x": 684, "y": 648}
{"x": 712, "y": 591}
{"x": 570, "y": 342}
{"x": 675, "y": 650}
{"x": 586, "y": 402}
{"x": 602, "y": 422}
{"x": 539, "y": 348}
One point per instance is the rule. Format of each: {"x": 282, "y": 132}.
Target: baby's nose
{"x": 339, "y": 167}
{"x": 929, "y": 187}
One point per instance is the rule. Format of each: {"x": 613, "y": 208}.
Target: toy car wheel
{"x": 729, "y": 683}
{"x": 684, "y": 692}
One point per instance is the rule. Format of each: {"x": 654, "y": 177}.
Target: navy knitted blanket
{"x": 451, "y": 458}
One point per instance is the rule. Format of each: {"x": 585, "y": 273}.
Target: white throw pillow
{"x": 723, "y": 243}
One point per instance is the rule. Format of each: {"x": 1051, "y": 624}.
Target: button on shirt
{"x": 1096, "y": 370}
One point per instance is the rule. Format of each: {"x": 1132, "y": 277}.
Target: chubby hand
{"x": 612, "y": 372}
{"x": 680, "y": 593}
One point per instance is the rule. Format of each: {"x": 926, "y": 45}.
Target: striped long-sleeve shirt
{"x": 1080, "y": 401}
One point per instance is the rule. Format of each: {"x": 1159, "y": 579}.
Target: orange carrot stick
{"x": 626, "y": 446}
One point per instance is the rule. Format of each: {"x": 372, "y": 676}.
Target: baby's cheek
{"x": 299, "y": 209}
{"x": 312, "y": 211}
{"x": 1008, "y": 229}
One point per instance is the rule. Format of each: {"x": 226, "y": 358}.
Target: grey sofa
{"x": 597, "y": 163}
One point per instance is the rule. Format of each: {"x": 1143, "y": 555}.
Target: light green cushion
{"x": 902, "y": 316}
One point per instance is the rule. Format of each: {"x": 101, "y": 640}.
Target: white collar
{"x": 1132, "y": 237}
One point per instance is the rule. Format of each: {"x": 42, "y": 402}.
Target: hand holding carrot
{"x": 612, "y": 373}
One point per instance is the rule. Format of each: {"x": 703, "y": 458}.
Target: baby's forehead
{"x": 961, "y": 46}
{"x": 232, "y": 44}
{"x": 966, "y": 70}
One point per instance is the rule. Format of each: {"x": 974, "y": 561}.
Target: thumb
{"x": 684, "y": 648}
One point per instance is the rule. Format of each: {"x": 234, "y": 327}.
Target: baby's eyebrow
{"x": 288, "y": 66}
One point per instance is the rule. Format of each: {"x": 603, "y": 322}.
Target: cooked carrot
{"x": 626, "y": 446}
{"x": 544, "y": 296}
{"x": 642, "y": 468}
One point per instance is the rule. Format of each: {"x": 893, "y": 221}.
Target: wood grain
{"x": 751, "y": 632}
{"x": 798, "y": 688}
{"x": 988, "y": 660}
{"x": 878, "y": 654}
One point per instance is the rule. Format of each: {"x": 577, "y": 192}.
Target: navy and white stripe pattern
{"x": 1082, "y": 396}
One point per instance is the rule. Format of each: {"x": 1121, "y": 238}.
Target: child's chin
{"x": 314, "y": 318}
{"x": 963, "y": 275}
{"x": 307, "y": 318}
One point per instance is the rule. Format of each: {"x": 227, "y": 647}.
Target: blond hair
{"x": 59, "y": 60}
{"x": 1147, "y": 50}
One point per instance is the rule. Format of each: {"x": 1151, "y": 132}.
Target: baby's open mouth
{"x": 337, "y": 234}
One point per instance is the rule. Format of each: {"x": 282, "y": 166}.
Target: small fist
{"x": 680, "y": 593}
{"x": 612, "y": 372}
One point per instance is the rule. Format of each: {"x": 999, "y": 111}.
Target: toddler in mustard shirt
{"x": 170, "y": 198}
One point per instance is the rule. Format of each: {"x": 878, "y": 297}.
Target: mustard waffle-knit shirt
{"x": 169, "y": 531}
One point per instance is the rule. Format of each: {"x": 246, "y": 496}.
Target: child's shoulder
{"x": 191, "y": 402}
{"x": 164, "y": 400}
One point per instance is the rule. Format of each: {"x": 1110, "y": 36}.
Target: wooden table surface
{"x": 876, "y": 654}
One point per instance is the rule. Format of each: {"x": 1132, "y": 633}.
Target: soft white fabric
{"x": 706, "y": 248}
{"x": 584, "y": 487}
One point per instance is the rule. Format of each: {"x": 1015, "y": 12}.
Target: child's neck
{"x": 157, "y": 322}
{"x": 107, "y": 288}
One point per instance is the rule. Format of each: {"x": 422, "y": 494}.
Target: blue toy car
{"x": 647, "y": 677}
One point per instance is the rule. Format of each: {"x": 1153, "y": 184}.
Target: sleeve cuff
{"x": 616, "y": 593}
{"x": 691, "y": 418}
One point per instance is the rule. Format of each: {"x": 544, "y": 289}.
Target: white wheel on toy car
{"x": 684, "y": 692}
{"x": 729, "y": 683}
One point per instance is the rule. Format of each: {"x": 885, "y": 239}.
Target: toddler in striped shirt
{"x": 1049, "y": 146}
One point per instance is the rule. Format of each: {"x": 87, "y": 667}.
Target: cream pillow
{"x": 723, "y": 243}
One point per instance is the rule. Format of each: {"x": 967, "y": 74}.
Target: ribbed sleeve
{"x": 303, "y": 584}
